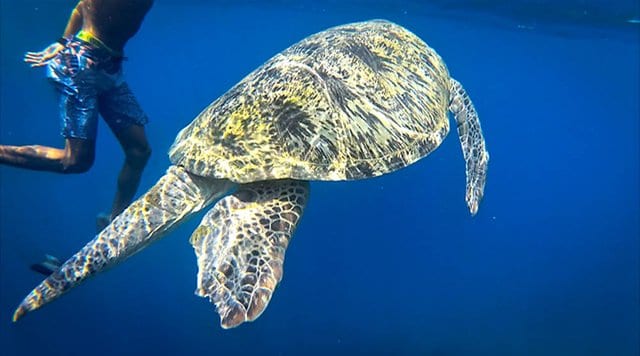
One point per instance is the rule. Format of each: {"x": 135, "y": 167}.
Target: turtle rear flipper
{"x": 240, "y": 246}
{"x": 174, "y": 197}
{"x": 474, "y": 149}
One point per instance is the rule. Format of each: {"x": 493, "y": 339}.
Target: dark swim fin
{"x": 102, "y": 220}
{"x": 48, "y": 266}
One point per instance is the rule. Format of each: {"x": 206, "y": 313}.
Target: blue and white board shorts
{"x": 90, "y": 82}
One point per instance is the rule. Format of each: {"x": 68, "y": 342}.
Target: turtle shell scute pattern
{"x": 354, "y": 101}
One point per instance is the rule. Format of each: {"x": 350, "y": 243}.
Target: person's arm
{"x": 38, "y": 59}
{"x": 75, "y": 22}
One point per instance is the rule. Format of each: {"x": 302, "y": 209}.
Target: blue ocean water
{"x": 392, "y": 265}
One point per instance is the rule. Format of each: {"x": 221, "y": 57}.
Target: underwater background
{"x": 391, "y": 265}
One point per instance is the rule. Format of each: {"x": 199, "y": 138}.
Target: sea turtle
{"x": 351, "y": 102}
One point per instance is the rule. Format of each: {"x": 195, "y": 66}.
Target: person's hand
{"x": 38, "y": 59}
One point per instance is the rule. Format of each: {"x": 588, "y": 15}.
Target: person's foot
{"x": 102, "y": 220}
{"x": 48, "y": 266}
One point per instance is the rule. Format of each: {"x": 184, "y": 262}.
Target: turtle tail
{"x": 474, "y": 149}
{"x": 174, "y": 197}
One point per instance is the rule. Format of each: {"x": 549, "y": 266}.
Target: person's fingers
{"x": 39, "y": 59}
{"x": 32, "y": 55}
{"x": 31, "y": 60}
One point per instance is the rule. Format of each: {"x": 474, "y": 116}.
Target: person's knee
{"x": 77, "y": 164}
{"x": 138, "y": 156}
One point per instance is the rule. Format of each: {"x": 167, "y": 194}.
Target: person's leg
{"x": 137, "y": 151}
{"x": 74, "y": 81}
{"x": 77, "y": 156}
{"x": 126, "y": 119}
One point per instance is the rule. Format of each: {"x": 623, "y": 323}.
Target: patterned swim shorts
{"x": 90, "y": 81}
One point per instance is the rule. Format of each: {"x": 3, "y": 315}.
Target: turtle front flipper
{"x": 473, "y": 147}
{"x": 240, "y": 246}
{"x": 176, "y": 195}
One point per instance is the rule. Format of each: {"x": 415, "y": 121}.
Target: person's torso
{"x": 114, "y": 22}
